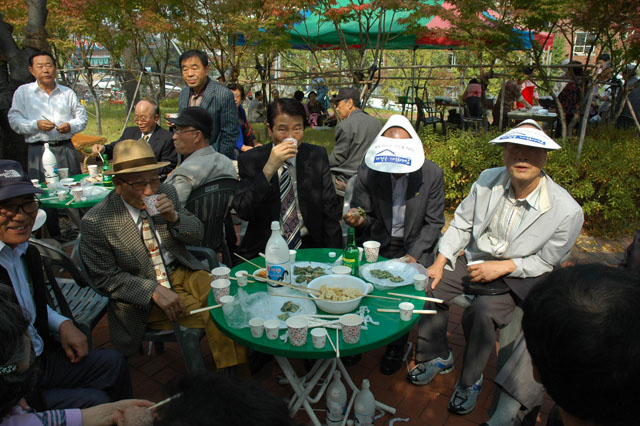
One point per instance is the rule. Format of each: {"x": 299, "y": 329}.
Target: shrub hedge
{"x": 605, "y": 181}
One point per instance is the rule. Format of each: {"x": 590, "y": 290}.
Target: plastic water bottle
{"x": 50, "y": 166}
{"x": 336, "y": 401}
{"x": 364, "y": 408}
{"x": 277, "y": 259}
{"x": 351, "y": 254}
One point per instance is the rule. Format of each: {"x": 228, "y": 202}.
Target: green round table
{"x": 49, "y": 200}
{"x": 389, "y": 330}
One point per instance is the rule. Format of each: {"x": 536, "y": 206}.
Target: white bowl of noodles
{"x": 339, "y": 293}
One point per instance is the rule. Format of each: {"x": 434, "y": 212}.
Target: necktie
{"x": 146, "y": 138}
{"x": 289, "y": 211}
{"x": 152, "y": 245}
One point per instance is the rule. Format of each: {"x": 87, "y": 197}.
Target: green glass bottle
{"x": 351, "y": 254}
{"x": 107, "y": 180}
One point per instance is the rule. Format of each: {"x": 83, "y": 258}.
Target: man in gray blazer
{"x": 205, "y": 93}
{"x": 151, "y": 278}
{"x": 354, "y": 135}
{"x": 402, "y": 195}
{"x": 515, "y": 226}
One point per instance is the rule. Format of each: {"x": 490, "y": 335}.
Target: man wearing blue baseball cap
{"x": 71, "y": 375}
{"x": 515, "y": 226}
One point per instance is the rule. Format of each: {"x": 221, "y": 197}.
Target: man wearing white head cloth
{"x": 402, "y": 195}
{"x": 514, "y": 226}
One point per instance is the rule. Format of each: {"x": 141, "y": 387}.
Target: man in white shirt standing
{"x": 47, "y": 112}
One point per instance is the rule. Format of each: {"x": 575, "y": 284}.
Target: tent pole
{"x": 501, "y": 105}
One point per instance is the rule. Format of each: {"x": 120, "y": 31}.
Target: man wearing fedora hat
{"x": 72, "y": 376}
{"x": 133, "y": 243}
{"x": 354, "y": 135}
{"x": 515, "y": 226}
{"x": 402, "y": 194}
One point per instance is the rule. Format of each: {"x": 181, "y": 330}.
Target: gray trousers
{"x": 479, "y": 322}
{"x": 66, "y": 156}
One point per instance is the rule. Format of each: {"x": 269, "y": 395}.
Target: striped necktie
{"x": 146, "y": 138}
{"x": 289, "y": 211}
{"x": 152, "y": 245}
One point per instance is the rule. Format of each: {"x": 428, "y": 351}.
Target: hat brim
{"x": 528, "y": 137}
{"x": 146, "y": 168}
{"x": 18, "y": 190}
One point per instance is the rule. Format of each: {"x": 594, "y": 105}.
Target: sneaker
{"x": 424, "y": 372}
{"x": 464, "y": 400}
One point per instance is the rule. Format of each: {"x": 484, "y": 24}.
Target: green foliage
{"x": 605, "y": 182}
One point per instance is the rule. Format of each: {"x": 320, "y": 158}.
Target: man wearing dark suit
{"x": 147, "y": 114}
{"x": 205, "y": 93}
{"x": 152, "y": 280}
{"x": 258, "y": 198}
{"x": 402, "y": 194}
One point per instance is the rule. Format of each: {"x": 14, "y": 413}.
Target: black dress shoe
{"x": 348, "y": 361}
{"x": 392, "y": 360}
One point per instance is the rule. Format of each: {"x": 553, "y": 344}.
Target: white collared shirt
{"x": 11, "y": 260}
{"x": 31, "y": 103}
{"x": 135, "y": 215}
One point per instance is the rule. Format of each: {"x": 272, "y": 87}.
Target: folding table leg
{"x": 299, "y": 390}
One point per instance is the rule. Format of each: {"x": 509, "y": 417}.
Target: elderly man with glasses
{"x": 147, "y": 115}
{"x": 133, "y": 244}
{"x": 71, "y": 375}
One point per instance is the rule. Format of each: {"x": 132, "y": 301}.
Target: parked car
{"x": 106, "y": 82}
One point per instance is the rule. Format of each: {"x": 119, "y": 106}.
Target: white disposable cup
{"x": 351, "y": 324}
{"x": 241, "y": 278}
{"x": 93, "y": 170}
{"x": 371, "y": 250}
{"x": 298, "y": 327}
{"x": 150, "y": 204}
{"x": 292, "y": 256}
{"x": 77, "y": 194}
{"x": 257, "y": 327}
{"x": 360, "y": 253}
{"x": 221, "y": 288}
{"x": 61, "y": 195}
{"x": 319, "y": 337}
{"x": 294, "y": 140}
{"x": 35, "y": 183}
{"x": 420, "y": 282}
{"x": 271, "y": 328}
{"x": 406, "y": 311}
{"x": 63, "y": 172}
{"x": 227, "y": 304}
{"x": 341, "y": 270}
{"x": 221, "y": 272}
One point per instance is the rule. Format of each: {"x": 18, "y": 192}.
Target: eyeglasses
{"x": 180, "y": 132}
{"x": 142, "y": 184}
{"x": 10, "y": 210}
{"x": 141, "y": 119}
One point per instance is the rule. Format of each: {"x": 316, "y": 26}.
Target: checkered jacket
{"x": 118, "y": 261}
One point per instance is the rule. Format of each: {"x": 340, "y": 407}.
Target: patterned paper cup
{"x": 406, "y": 311}
{"x": 319, "y": 337}
{"x": 150, "y": 204}
{"x": 220, "y": 288}
{"x": 298, "y": 327}
{"x": 241, "y": 278}
{"x": 371, "y": 250}
{"x": 257, "y": 327}
{"x": 221, "y": 272}
{"x": 351, "y": 324}
{"x": 271, "y": 328}
{"x": 419, "y": 282}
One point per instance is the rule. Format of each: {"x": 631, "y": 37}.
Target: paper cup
{"x": 241, "y": 278}
{"x": 371, "y": 250}
{"x": 406, "y": 311}
{"x": 294, "y": 140}
{"x": 61, "y": 195}
{"x": 221, "y": 272}
{"x": 257, "y": 327}
{"x": 63, "y": 172}
{"x": 77, "y": 194}
{"x": 341, "y": 270}
{"x": 271, "y": 328}
{"x": 351, "y": 324}
{"x": 319, "y": 337}
{"x": 35, "y": 183}
{"x": 420, "y": 282}
{"x": 292, "y": 256}
{"x": 220, "y": 288}
{"x": 298, "y": 327}
{"x": 150, "y": 204}
{"x": 93, "y": 170}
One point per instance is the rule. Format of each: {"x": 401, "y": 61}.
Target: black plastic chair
{"x": 426, "y": 116}
{"x": 188, "y": 339}
{"x": 210, "y": 203}
{"x": 72, "y": 297}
